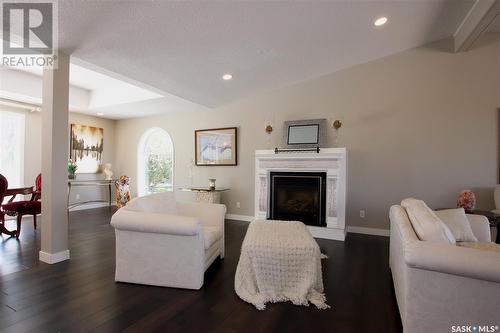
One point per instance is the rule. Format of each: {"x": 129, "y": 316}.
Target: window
{"x": 12, "y": 147}
{"x": 155, "y": 162}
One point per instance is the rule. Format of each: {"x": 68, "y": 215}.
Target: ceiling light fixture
{"x": 380, "y": 21}
{"x": 227, "y": 77}
{"x": 100, "y": 114}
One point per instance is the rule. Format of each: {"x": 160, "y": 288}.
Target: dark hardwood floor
{"x": 80, "y": 295}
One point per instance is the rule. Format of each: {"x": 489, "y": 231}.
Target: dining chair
{"x": 25, "y": 207}
{"x": 4, "y": 184}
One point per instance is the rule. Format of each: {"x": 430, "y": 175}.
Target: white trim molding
{"x": 237, "y": 217}
{"x": 482, "y": 14}
{"x": 54, "y": 258}
{"x": 91, "y": 206}
{"x": 327, "y": 233}
{"x": 368, "y": 231}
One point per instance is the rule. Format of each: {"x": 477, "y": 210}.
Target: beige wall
{"x": 33, "y": 149}
{"x": 421, "y": 123}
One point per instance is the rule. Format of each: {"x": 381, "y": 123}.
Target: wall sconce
{"x": 269, "y": 129}
{"x": 337, "y": 124}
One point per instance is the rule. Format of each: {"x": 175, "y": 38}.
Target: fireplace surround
{"x": 332, "y": 162}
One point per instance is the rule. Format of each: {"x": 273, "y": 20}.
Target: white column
{"x": 54, "y": 162}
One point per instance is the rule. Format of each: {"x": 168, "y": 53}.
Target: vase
{"x": 71, "y": 176}
{"x": 466, "y": 200}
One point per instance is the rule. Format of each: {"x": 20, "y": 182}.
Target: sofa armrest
{"x": 450, "y": 259}
{"x": 206, "y": 213}
{"x": 480, "y": 227}
{"x": 130, "y": 220}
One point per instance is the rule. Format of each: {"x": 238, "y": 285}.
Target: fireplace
{"x": 329, "y": 219}
{"x": 299, "y": 196}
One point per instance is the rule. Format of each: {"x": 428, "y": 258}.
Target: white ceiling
{"x": 183, "y": 47}
{"x": 93, "y": 91}
{"x": 103, "y": 90}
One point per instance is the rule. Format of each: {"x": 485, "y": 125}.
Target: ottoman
{"x": 280, "y": 261}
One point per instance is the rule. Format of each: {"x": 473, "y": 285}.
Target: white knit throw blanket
{"x": 280, "y": 261}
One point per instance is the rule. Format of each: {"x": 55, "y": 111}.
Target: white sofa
{"x": 439, "y": 285}
{"x": 162, "y": 242}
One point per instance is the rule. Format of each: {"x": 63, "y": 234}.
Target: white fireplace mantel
{"x": 333, "y": 161}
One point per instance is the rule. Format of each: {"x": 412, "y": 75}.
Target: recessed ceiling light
{"x": 100, "y": 114}
{"x": 380, "y": 21}
{"x": 227, "y": 77}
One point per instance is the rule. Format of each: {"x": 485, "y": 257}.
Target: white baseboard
{"x": 317, "y": 232}
{"x": 368, "y": 231}
{"x": 327, "y": 233}
{"x": 53, "y": 258}
{"x": 91, "y": 206}
{"x": 237, "y": 217}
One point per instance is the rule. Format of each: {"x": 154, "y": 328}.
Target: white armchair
{"x": 162, "y": 242}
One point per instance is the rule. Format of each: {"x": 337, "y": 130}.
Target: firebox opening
{"x": 299, "y": 196}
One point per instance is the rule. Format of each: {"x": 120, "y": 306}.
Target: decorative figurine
{"x": 107, "y": 171}
{"x": 122, "y": 192}
{"x": 211, "y": 183}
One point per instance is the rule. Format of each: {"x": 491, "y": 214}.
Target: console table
{"x": 206, "y": 194}
{"x": 91, "y": 182}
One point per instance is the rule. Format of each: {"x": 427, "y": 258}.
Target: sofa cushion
{"x": 155, "y": 223}
{"x": 211, "y": 234}
{"x": 425, "y": 222}
{"x": 155, "y": 203}
{"x": 457, "y": 222}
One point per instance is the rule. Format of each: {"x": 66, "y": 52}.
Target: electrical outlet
{"x": 238, "y": 205}
{"x": 362, "y": 213}
{"x": 77, "y": 196}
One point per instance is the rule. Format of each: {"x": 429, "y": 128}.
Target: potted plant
{"x": 71, "y": 169}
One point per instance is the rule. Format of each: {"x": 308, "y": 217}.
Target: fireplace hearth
{"x": 299, "y": 196}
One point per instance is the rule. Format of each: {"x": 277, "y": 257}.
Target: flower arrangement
{"x": 466, "y": 200}
{"x": 71, "y": 169}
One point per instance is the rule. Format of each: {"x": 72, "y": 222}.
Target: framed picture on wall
{"x": 86, "y": 147}
{"x": 217, "y": 146}
{"x": 309, "y": 133}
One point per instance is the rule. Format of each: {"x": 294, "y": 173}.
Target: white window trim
{"x": 141, "y": 158}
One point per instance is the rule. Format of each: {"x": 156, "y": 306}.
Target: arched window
{"x": 155, "y": 162}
